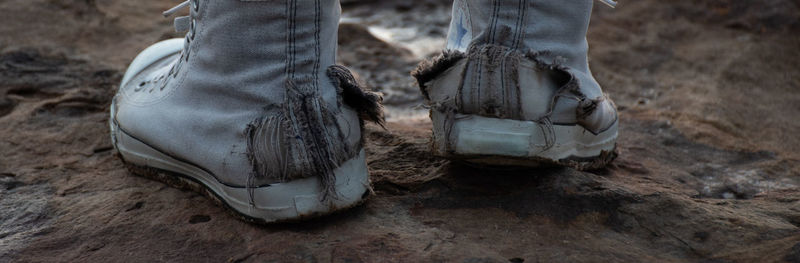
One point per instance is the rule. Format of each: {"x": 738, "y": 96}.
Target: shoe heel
{"x": 496, "y": 141}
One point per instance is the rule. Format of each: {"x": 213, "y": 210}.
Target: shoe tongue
{"x": 183, "y": 24}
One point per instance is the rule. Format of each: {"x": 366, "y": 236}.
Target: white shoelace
{"x": 182, "y": 23}
{"x": 175, "y": 9}
{"x": 611, "y": 3}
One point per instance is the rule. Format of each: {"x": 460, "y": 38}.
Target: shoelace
{"x": 175, "y": 9}
{"x": 611, "y": 3}
{"x": 182, "y": 24}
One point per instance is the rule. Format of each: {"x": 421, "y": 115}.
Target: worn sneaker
{"x": 514, "y": 88}
{"x": 249, "y": 109}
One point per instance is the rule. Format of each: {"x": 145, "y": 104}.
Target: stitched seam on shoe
{"x": 519, "y": 27}
{"x": 317, "y": 52}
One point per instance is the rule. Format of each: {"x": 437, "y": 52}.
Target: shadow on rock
{"x": 561, "y": 194}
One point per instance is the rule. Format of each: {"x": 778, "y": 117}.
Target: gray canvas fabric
{"x": 519, "y": 59}
{"x": 249, "y": 99}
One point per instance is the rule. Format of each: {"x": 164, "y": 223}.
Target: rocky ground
{"x": 709, "y": 167}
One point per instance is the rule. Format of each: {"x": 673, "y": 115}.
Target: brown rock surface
{"x": 708, "y": 170}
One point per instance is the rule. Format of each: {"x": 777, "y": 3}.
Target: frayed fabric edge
{"x": 304, "y": 139}
{"x": 428, "y": 70}
{"x": 300, "y": 140}
{"x": 494, "y": 56}
{"x": 366, "y": 103}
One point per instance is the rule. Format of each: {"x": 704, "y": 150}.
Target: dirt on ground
{"x": 709, "y": 169}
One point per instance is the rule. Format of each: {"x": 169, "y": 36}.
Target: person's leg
{"x": 249, "y": 108}
{"x": 514, "y": 86}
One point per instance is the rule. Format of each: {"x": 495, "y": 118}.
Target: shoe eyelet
{"x": 140, "y": 87}
{"x": 196, "y": 5}
{"x": 192, "y": 29}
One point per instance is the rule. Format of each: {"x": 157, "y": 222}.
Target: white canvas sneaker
{"x": 249, "y": 109}
{"x": 513, "y": 87}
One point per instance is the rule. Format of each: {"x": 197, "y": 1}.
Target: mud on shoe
{"x": 513, "y": 87}
{"x": 250, "y": 109}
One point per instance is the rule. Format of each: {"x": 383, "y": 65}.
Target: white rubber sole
{"x": 277, "y": 202}
{"x": 511, "y": 142}
{"x": 288, "y": 201}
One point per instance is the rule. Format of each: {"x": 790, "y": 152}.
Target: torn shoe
{"x": 513, "y": 87}
{"x": 250, "y": 109}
